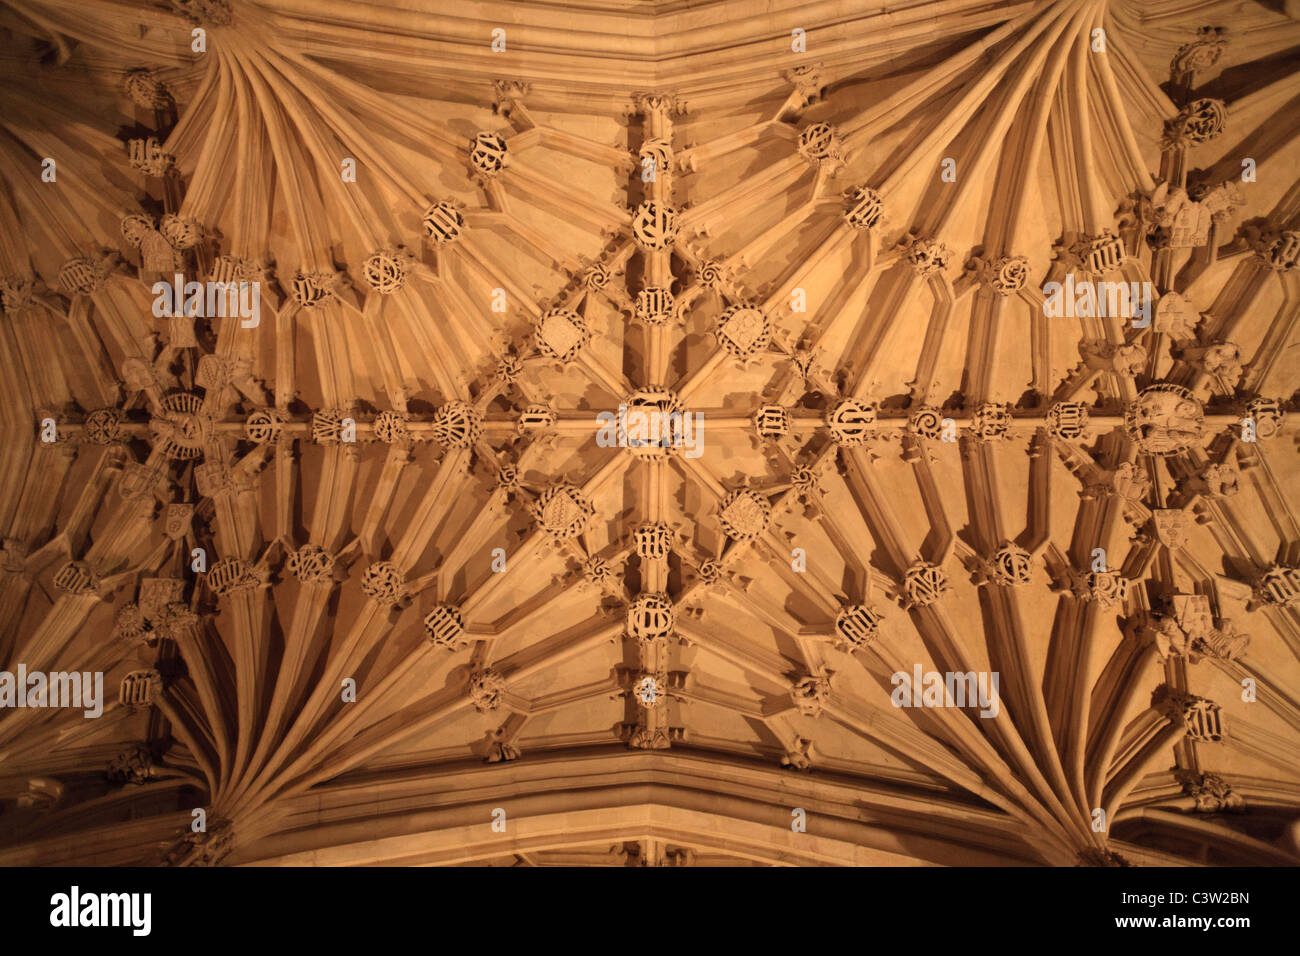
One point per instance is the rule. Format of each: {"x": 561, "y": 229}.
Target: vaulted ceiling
{"x": 377, "y": 584}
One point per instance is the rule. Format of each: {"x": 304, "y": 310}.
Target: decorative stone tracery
{"x": 563, "y": 511}
{"x": 654, "y": 225}
{"x": 851, "y": 421}
{"x": 1165, "y": 419}
{"x": 744, "y": 515}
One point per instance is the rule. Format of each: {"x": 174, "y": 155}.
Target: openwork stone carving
{"x": 327, "y": 425}
{"x": 1198, "y": 122}
{"x": 1278, "y": 587}
{"x": 443, "y": 222}
{"x": 458, "y": 424}
{"x": 851, "y": 421}
{"x": 509, "y": 367}
{"x": 488, "y": 154}
{"x": 744, "y": 515}
{"x": 710, "y": 572}
{"x": 385, "y": 582}
{"x": 660, "y": 154}
{"x": 231, "y": 575}
{"x": 820, "y": 143}
{"x": 1012, "y": 565}
{"x": 76, "y": 578}
{"x": 385, "y": 271}
{"x": 1099, "y": 254}
{"x": 804, "y": 481}
{"x": 650, "y": 617}
{"x": 181, "y": 233}
{"x": 1008, "y": 275}
{"x": 598, "y": 276}
{"x": 561, "y": 334}
{"x": 310, "y": 289}
{"x": 1282, "y": 252}
{"x": 508, "y": 479}
{"x": 652, "y": 541}
{"x": 311, "y": 562}
{"x": 653, "y": 426}
{"x": 264, "y": 426}
{"x": 1067, "y": 420}
{"x": 235, "y": 269}
{"x": 131, "y": 625}
{"x": 713, "y": 275}
{"x": 926, "y": 423}
{"x": 1266, "y": 413}
{"x": 864, "y": 209}
{"x": 140, "y": 688}
{"x": 391, "y": 428}
{"x": 744, "y": 331}
{"x": 856, "y": 626}
{"x": 597, "y": 572}
{"x": 81, "y": 276}
{"x": 1165, "y": 419}
{"x": 924, "y": 584}
{"x": 772, "y": 421}
{"x": 655, "y": 306}
{"x": 535, "y": 417}
{"x": 1202, "y": 717}
{"x": 103, "y": 426}
{"x": 1176, "y": 629}
{"x": 486, "y": 688}
{"x": 990, "y": 422}
{"x": 563, "y": 511}
{"x": 215, "y": 372}
{"x": 135, "y": 226}
{"x": 148, "y": 157}
{"x": 654, "y": 225}
{"x": 181, "y": 428}
{"x": 445, "y": 627}
{"x": 1108, "y": 588}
